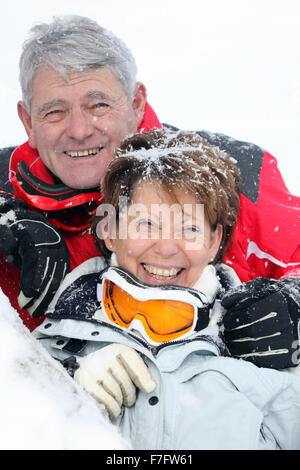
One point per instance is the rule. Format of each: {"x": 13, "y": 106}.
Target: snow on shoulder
{"x": 41, "y": 407}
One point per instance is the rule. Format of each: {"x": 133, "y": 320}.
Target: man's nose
{"x": 80, "y": 125}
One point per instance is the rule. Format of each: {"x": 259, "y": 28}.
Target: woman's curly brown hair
{"x": 177, "y": 160}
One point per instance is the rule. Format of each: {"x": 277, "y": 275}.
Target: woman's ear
{"x": 109, "y": 242}
{"x": 215, "y": 241}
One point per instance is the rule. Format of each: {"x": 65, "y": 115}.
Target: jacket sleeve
{"x": 282, "y": 413}
{"x": 76, "y": 297}
{"x": 266, "y": 240}
{"x": 5, "y": 155}
{"x": 277, "y": 233}
{"x": 293, "y": 267}
{"x": 276, "y": 394}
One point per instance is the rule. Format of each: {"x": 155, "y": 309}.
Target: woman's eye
{"x": 192, "y": 229}
{"x": 145, "y": 224}
{"x": 148, "y": 227}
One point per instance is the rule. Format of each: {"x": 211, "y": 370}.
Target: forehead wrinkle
{"x": 100, "y": 95}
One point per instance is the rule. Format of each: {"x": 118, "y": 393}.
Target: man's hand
{"x": 36, "y": 249}
{"x": 111, "y": 374}
{"x": 261, "y": 324}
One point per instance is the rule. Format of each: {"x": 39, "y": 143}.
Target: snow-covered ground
{"x": 225, "y": 66}
{"x": 41, "y": 407}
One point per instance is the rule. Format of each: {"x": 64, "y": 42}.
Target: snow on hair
{"x": 176, "y": 160}
{"x": 74, "y": 43}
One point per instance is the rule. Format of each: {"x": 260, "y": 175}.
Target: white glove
{"x": 109, "y": 375}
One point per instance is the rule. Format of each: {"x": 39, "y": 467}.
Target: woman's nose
{"x": 166, "y": 247}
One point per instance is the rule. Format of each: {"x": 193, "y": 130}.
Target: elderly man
{"x": 80, "y": 99}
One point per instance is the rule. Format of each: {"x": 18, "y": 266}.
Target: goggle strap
{"x": 33, "y": 185}
{"x": 50, "y": 196}
{"x": 203, "y": 317}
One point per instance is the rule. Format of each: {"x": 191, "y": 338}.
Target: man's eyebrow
{"x": 45, "y": 107}
{"x": 91, "y": 94}
{"x": 100, "y": 95}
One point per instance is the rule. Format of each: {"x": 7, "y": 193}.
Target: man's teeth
{"x": 161, "y": 273}
{"x": 84, "y": 153}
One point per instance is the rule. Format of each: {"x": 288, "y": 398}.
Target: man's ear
{"x": 215, "y": 241}
{"x": 139, "y": 102}
{"x": 27, "y": 123}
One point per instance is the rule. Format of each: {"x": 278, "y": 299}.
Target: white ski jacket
{"x": 203, "y": 399}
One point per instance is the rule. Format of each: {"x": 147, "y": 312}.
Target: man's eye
{"x": 100, "y": 105}
{"x": 55, "y": 115}
{"x": 99, "y": 108}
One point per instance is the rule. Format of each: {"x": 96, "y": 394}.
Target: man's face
{"x": 77, "y": 124}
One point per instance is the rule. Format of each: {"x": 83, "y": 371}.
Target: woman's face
{"x": 164, "y": 240}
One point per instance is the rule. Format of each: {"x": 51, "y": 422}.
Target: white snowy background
{"x": 225, "y": 66}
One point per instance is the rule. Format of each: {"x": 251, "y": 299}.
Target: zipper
{"x": 155, "y": 349}
{"x": 204, "y": 338}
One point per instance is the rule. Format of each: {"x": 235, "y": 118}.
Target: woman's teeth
{"x": 161, "y": 273}
{"x": 84, "y": 153}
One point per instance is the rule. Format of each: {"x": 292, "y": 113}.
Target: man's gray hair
{"x": 74, "y": 44}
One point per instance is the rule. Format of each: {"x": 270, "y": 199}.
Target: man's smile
{"x": 83, "y": 153}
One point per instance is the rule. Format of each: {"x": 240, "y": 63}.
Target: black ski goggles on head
{"x": 50, "y": 197}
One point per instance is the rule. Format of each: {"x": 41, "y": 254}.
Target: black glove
{"x": 261, "y": 323}
{"x": 36, "y": 249}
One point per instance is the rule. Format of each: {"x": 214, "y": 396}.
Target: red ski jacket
{"x": 266, "y": 241}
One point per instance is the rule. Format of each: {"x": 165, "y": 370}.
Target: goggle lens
{"x": 163, "y": 319}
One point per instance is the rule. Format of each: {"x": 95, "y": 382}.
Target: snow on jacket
{"x": 266, "y": 239}
{"x": 203, "y": 399}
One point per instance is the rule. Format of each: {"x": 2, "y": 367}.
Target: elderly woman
{"x": 147, "y": 314}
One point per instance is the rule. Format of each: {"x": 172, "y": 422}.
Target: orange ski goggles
{"x": 159, "y": 313}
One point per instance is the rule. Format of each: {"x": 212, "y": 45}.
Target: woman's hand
{"x": 111, "y": 374}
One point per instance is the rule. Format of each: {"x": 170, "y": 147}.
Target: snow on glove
{"x": 261, "y": 324}
{"x": 111, "y": 374}
{"x": 36, "y": 249}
